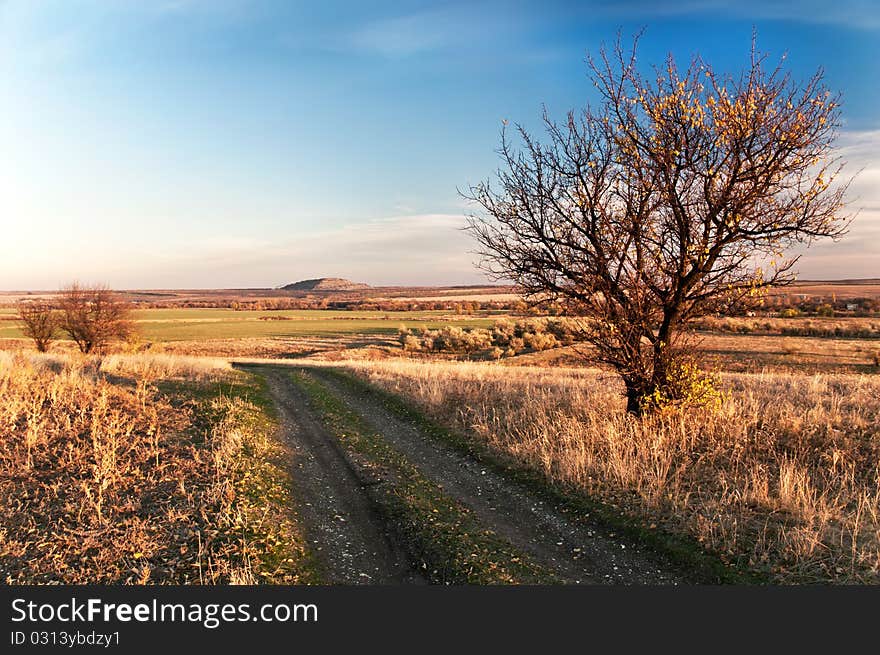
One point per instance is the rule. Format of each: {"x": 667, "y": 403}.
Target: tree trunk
{"x": 663, "y": 350}
{"x": 660, "y": 374}
{"x": 633, "y": 399}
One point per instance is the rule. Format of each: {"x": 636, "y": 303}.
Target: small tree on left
{"x": 40, "y": 322}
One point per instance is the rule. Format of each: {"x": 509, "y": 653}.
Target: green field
{"x": 162, "y": 325}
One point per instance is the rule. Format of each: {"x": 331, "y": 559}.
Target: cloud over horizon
{"x": 418, "y": 250}
{"x": 415, "y": 249}
{"x": 856, "y": 255}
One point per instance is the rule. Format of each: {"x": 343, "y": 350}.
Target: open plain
{"x": 400, "y": 443}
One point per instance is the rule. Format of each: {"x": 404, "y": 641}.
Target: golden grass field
{"x": 785, "y": 477}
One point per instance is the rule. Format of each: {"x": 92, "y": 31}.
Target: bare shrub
{"x": 411, "y": 342}
{"x": 93, "y": 316}
{"x": 40, "y": 321}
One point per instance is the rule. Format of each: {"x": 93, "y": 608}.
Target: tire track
{"x": 343, "y": 531}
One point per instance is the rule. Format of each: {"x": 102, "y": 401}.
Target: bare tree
{"x": 40, "y": 321}
{"x": 677, "y": 197}
{"x": 93, "y": 316}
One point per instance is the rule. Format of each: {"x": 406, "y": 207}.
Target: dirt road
{"x": 354, "y": 546}
{"x": 344, "y": 533}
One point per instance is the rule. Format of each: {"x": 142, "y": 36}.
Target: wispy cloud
{"x": 407, "y": 250}
{"x": 466, "y": 25}
{"x": 858, "y": 253}
{"x": 857, "y": 14}
{"x": 861, "y": 152}
{"x": 406, "y": 35}
{"x": 433, "y": 249}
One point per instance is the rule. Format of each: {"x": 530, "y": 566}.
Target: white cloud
{"x": 422, "y": 249}
{"x": 856, "y": 255}
{"x": 427, "y": 249}
{"x": 861, "y": 152}
{"x": 434, "y": 249}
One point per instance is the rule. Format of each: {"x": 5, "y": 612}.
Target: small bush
{"x": 688, "y": 385}
{"x": 504, "y": 339}
{"x": 411, "y": 342}
{"x": 540, "y": 341}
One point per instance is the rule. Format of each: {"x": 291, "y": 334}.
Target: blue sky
{"x": 218, "y": 143}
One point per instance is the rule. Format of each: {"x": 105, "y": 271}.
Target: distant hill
{"x": 326, "y": 284}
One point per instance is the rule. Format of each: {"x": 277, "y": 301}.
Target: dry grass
{"x": 140, "y": 369}
{"x": 104, "y": 480}
{"x": 748, "y": 353}
{"x": 785, "y": 477}
{"x": 752, "y": 353}
{"x": 276, "y": 347}
{"x": 165, "y": 366}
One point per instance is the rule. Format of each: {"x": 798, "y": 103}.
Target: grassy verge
{"x": 250, "y": 526}
{"x": 681, "y": 550}
{"x": 112, "y": 473}
{"x": 442, "y": 538}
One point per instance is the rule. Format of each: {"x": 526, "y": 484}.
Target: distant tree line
{"x": 793, "y": 304}
{"x": 459, "y": 307}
